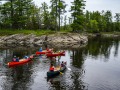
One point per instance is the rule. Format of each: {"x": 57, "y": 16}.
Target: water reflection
{"x": 78, "y": 72}
{"x": 93, "y": 67}
{"x": 77, "y": 58}
{"x": 18, "y": 78}
{"x": 96, "y": 49}
{"x": 101, "y": 47}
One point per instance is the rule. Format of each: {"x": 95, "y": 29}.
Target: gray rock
{"x": 59, "y": 40}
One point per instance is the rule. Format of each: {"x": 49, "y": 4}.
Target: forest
{"x": 25, "y": 15}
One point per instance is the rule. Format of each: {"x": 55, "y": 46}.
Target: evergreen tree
{"x": 57, "y": 8}
{"x": 22, "y": 11}
{"x": 108, "y": 19}
{"x": 77, "y": 14}
{"x": 117, "y": 23}
{"x": 45, "y": 15}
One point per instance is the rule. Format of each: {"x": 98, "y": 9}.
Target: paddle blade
{"x": 61, "y": 73}
{"x": 69, "y": 69}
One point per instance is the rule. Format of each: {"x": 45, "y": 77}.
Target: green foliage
{"x": 36, "y": 32}
{"x": 94, "y": 26}
{"x": 24, "y": 15}
{"x": 117, "y": 23}
{"x": 77, "y": 24}
{"x": 17, "y": 13}
{"x": 77, "y": 14}
{"x": 45, "y": 16}
{"x": 100, "y": 22}
{"x": 108, "y": 19}
{"x": 57, "y": 8}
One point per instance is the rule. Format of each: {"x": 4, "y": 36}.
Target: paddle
{"x": 69, "y": 69}
{"x": 64, "y": 63}
{"x": 61, "y": 73}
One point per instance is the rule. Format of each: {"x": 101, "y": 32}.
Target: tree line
{"x": 24, "y": 14}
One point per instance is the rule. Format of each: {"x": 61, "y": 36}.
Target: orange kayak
{"x": 55, "y": 54}
{"x": 21, "y": 61}
{"x": 44, "y": 51}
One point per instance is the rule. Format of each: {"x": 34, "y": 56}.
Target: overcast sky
{"x": 92, "y": 5}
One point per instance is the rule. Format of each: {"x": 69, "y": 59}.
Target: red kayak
{"x": 55, "y": 54}
{"x": 21, "y": 61}
{"x": 44, "y": 52}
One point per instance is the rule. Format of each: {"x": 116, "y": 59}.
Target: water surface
{"x": 93, "y": 67}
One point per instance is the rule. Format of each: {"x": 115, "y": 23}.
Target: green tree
{"x": 108, "y": 19}
{"x": 94, "y": 26}
{"x": 23, "y": 11}
{"x": 117, "y": 23}
{"x": 61, "y": 10}
{"x": 45, "y": 15}
{"x": 87, "y": 20}
{"x": 33, "y": 19}
{"x": 0, "y": 16}
{"x": 77, "y": 14}
{"x": 65, "y": 22}
{"x": 57, "y": 8}
{"x": 54, "y": 14}
{"x": 6, "y": 15}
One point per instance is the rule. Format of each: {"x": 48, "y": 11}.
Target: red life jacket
{"x": 52, "y": 68}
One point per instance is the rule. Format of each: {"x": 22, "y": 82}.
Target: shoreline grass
{"x": 4, "y": 32}
{"x": 36, "y": 32}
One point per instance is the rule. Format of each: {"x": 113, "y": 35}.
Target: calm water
{"x": 94, "y": 67}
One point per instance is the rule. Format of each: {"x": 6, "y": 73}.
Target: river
{"x": 93, "y": 67}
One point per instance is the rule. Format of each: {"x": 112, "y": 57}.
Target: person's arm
{"x": 54, "y": 68}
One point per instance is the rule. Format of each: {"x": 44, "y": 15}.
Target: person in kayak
{"x": 17, "y": 59}
{"x": 26, "y": 57}
{"x": 40, "y": 49}
{"x": 14, "y": 58}
{"x": 52, "y": 67}
{"x": 32, "y": 56}
{"x": 63, "y": 64}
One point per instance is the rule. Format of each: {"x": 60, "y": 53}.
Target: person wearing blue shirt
{"x": 26, "y": 57}
{"x": 17, "y": 59}
{"x": 40, "y": 49}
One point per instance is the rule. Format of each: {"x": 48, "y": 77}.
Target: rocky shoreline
{"x": 65, "y": 40}
{"x": 59, "y": 40}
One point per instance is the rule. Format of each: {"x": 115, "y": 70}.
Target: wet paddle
{"x": 69, "y": 69}
{"x": 61, "y": 73}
